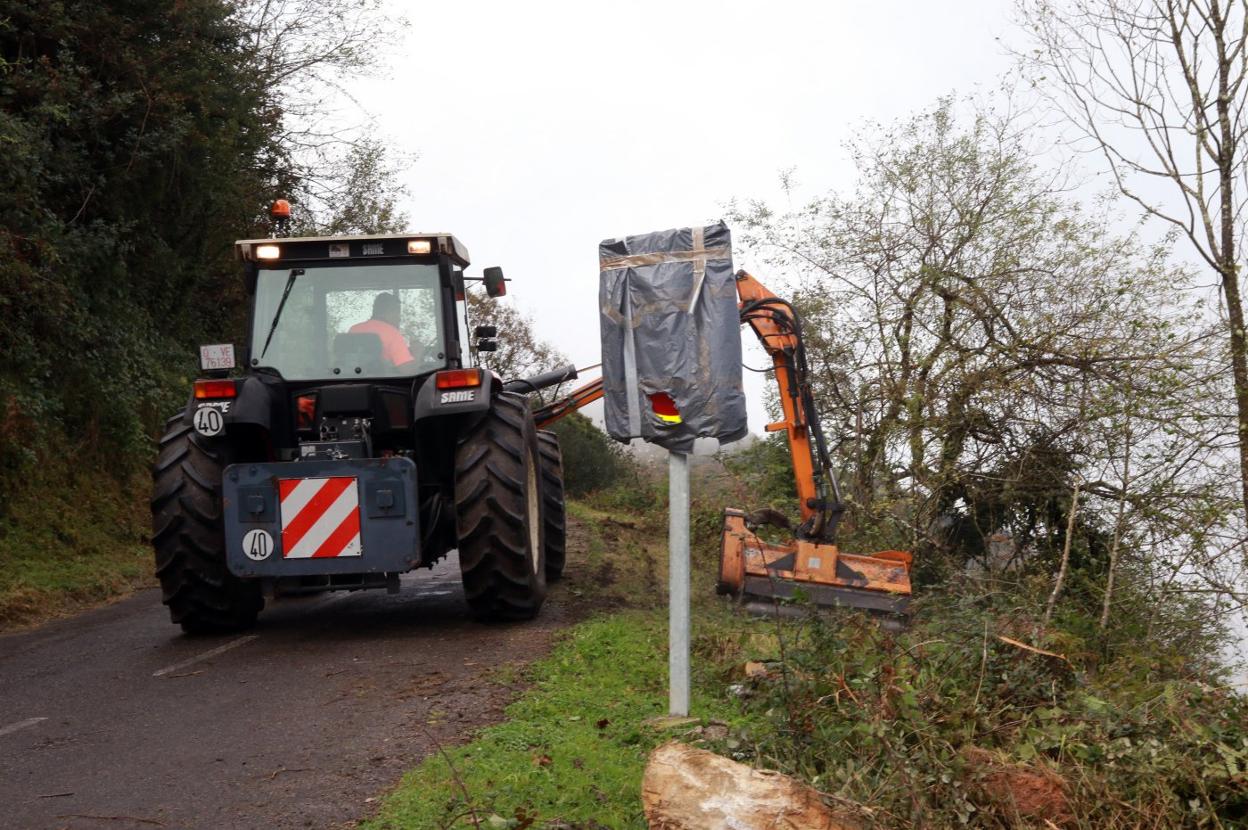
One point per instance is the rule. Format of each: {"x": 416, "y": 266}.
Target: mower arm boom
{"x": 779, "y": 331}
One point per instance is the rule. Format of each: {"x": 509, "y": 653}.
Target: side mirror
{"x": 487, "y": 345}
{"x": 495, "y": 285}
{"x": 485, "y": 331}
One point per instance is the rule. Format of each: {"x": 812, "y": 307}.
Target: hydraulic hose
{"x": 541, "y": 381}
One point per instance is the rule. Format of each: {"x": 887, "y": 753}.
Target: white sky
{"x": 543, "y": 128}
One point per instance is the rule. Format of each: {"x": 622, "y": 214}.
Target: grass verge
{"x": 572, "y": 750}
{"x": 70, "y": 541}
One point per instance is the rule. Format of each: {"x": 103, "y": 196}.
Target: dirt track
{"x": 113, "y": 719}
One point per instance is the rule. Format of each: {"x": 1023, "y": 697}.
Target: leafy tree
{"x": 140, "y": 140}
{"x": 978, "y": 342}
{"x": 135, "y": 133}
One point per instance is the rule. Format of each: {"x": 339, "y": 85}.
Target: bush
{"x": 949, "y": 724}
{"x": 766, "y": 471}
{"x": 591, "y": 459}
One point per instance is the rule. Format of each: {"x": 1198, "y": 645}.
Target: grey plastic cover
{"x": 669, "y": 319}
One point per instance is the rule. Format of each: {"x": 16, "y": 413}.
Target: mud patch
{"x": 1028, "y": 791}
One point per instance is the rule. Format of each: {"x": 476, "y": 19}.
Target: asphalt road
{"x": 113, "y": 719}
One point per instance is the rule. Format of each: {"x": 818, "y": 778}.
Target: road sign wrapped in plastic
{"x": 671, "y": 340}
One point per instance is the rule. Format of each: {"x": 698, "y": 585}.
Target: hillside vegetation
{"x": 958, "y": 720}
{"x": 140, "y": 140}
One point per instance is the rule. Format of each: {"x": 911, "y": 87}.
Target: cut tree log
{"x": 685, "y": 788}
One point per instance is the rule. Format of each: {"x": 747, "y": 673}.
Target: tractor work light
{"x": 268, "y": 252}
{"x": 457, "y": 378}
{"x": 206, "y": 389}
{"x": 419, "y": 246}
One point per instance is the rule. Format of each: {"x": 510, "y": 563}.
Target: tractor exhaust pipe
{"x": 538, "y": 382}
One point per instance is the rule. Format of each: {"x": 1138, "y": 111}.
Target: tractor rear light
{"x": 205, "y": 389}
{"x": 268, "y": 252}
{"x": 457, "y": 378}
{"x": 665, "y": 408}
{"x": 305, "y": 411}
{"x": 419, "y": 246}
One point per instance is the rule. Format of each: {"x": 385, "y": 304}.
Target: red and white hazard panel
{"x": 320, "y": 517}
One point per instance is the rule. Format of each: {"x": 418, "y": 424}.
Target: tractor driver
{"x": 385, "y": 324}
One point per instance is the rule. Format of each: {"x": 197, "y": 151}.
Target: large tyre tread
{"x": 491, "y": 509}
{"x": 554, "y": 510}
{"x": 189, "y": 538}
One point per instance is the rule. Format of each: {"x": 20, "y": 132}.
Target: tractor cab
{"x": 355, "y": 308}
{"x": 353, "y": 342}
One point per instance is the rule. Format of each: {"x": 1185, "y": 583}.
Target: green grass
{"x": 68, "y": 542}
{"x": 573, "y": 747}
{"x": 622, "y": 556}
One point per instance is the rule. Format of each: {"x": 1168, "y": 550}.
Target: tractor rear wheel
{"x": 189, "y": 537}
{"x": 554, "y": 512}
{"x": 498, "y": 513}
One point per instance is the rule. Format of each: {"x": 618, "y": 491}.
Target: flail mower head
{"x": 761, "y": 573}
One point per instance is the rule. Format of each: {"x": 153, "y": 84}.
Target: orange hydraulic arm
{"x": 779, "y": 330}
{"x": 580, "y": 396}
{"x": 752, "y": 568}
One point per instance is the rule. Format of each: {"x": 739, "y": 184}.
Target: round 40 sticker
{"x": 258, "y": 544}
{"x": 208, "y": 420}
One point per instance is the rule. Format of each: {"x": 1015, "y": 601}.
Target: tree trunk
{"x": 685, "y": 788}
{"x": 1118, "y": 527}
{"x": 1239, "y": 370}
{"x": 1061, "y": 571}
{"x": 1226, "y": 257}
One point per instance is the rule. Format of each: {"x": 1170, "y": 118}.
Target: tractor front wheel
{"x": 189, "y": 537}
{"x": 498, "y": 513}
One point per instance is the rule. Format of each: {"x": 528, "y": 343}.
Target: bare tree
{"x": 361, "y": 194}
{"x": 306, "y": 53}
{"x": 1157, "y": 87}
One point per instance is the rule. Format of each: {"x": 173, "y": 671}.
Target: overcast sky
{"x": 540, "y": 129}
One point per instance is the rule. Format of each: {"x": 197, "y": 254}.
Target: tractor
{"x": 353, "y": 439}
